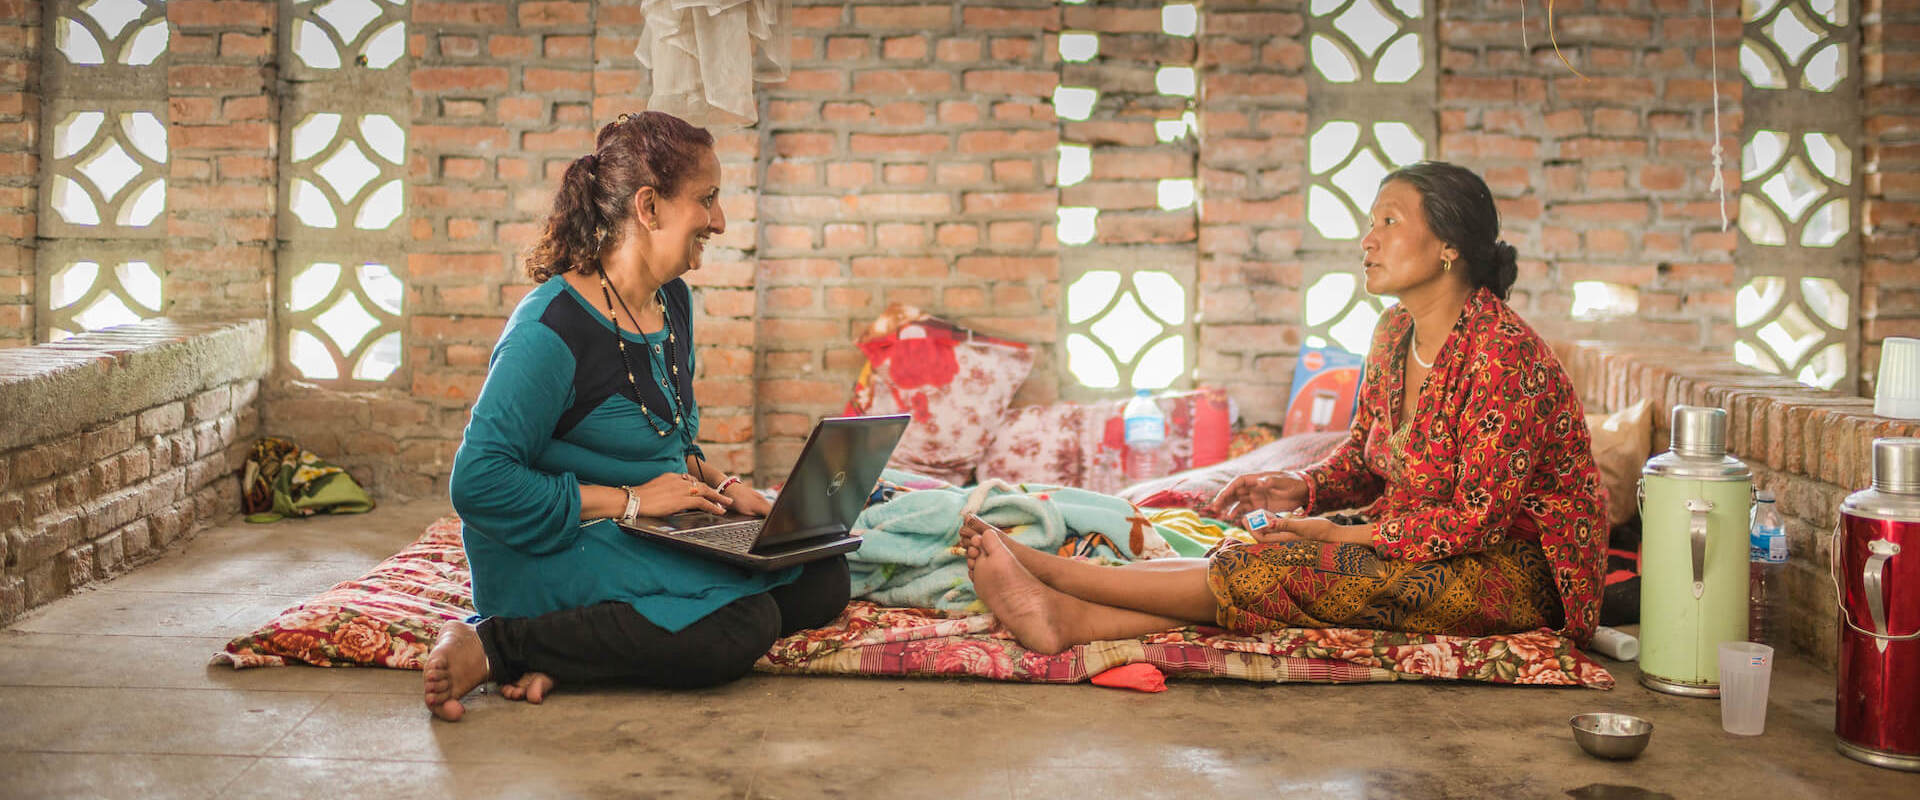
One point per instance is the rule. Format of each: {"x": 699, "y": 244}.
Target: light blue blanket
{"x": 909, "y": 558}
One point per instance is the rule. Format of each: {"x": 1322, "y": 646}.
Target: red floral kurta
{"x": 1497, "y": 450}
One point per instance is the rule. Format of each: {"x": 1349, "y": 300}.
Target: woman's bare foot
{"x": 973, "y": 530}
{"x": 1020, "y": 601}
{"x": 455, "y": 665}
{"x": 531, "y": 687}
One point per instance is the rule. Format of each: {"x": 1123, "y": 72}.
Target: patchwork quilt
{"x": 389, "y": 616}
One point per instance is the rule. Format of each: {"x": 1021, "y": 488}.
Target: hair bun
{"x": 1506, "y": 267}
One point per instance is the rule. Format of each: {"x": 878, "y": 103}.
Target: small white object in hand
{"x": 1258, "y": 520}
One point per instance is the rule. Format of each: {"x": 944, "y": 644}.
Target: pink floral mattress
{"x": 389, "y": 616}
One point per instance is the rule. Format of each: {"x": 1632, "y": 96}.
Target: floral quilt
{"x": 388, "y": 618}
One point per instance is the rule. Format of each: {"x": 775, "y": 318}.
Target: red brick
{"x": 898, "y": 143}
{"x": 904, "y": 48}
{"x": 429, "y": 12}
{"x": 556, "y": 80}
{"x": 902, "y": 81}
{"x": 1035, "y": 84}
{"x": 441, "y": 79}
{"x": 219, "y": 13}
{"x": 888, "y": 267}
{"x": 550, "y": 14}
{"x": 932, "y": 17}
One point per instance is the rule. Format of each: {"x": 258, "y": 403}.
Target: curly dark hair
{"x": 650, "y": 148}
{"x": 1459, "y": 209}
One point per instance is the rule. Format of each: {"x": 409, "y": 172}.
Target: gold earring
{"x": 1446, "y": 265}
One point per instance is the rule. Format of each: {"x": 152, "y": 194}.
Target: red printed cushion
{"x": 954, "y": 382}
{"x": 1039, "y": 444}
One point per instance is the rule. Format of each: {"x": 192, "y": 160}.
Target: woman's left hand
{"x": 748, "y": 501}
{"x": 1320, "y": 529}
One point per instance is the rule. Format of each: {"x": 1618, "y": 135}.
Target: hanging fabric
{"x": 706, "y": 54}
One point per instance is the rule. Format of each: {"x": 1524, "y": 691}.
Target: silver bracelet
{"x": 633, "y": 506}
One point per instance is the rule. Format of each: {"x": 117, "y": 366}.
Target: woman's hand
{"x": 674, "y": 492}
{"x": 1319, "y": 529}
{"x": 748, "y": 501}
{"x": 1278, "y": 492}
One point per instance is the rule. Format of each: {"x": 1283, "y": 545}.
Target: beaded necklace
{"x": 674, "y": 399}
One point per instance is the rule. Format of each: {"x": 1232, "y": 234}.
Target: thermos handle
{"x": 1698, "y": 508}
{"x": 1872, "y": 584}
{"x": 1871, "y": 577}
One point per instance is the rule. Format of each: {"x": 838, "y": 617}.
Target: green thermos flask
{"x": 1695, "y": 502}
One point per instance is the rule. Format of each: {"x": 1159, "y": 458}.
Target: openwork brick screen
{"x": 1799, "y": 250}
{"x": 1127, "y": 212}
{"x": 103, "y": 159}
{"x": 1371, "y": 90}
{"x": 341, "y": 256}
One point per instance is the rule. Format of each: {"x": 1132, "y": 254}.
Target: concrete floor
{"x": 109, "y": 694}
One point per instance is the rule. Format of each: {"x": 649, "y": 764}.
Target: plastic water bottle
{"x": 1146, "y": 437}
{"x": 1767, "y": 557}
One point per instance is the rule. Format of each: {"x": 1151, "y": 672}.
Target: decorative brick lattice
{"x": 1127, "y": 214}
{"x": 1799, "y": 244}
{"x": 344, "y": 112}
{"x": 104, "y": 166}
{"x": 1371, "y": 91}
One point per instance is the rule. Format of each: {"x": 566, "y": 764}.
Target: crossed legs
{"x": 1051, "y": 603}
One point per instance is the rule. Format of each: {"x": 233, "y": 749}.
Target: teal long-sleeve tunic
{"x": 557, "y": 411}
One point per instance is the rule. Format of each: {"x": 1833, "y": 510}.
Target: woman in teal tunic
{"x": 588, "y": 416}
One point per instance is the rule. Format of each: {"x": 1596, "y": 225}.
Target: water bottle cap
{"x": 1763, "y": 496}
{"x": 1142, "y": 393}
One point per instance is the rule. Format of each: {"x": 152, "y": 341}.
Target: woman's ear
{"x": 1449, "y": 253}
{"x": 646, "y": 208}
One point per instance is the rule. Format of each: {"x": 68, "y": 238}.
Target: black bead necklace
{"x": 674, "y": 398}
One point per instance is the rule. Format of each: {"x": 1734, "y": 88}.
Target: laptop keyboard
{"x": 736, "y": 537}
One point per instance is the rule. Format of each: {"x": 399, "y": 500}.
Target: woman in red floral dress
{"x": 1484, "y": 507}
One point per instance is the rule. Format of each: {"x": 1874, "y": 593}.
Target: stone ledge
{"x": 61, "y": 388}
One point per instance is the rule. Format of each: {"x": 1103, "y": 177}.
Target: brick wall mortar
{"x": 85, "y": 501}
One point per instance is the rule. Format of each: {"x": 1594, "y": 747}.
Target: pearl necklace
{"x": 1413, "y": 346}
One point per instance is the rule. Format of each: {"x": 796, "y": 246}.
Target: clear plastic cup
{"x": 1746, "y": 670}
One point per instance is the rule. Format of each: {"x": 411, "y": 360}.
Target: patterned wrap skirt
{"x": 1263, "y": 587}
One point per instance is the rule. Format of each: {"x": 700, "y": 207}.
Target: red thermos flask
{"x": 1876, "y": 570}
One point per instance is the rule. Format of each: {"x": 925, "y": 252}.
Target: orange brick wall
{"x": 19, "y": 165}
{"x": 1890, "y": 292}
{"x": 910, "y": 158}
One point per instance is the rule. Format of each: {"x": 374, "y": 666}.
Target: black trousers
{"x": 611, "y": 642}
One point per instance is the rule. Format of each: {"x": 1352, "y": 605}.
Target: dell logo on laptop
{"x": 839, "y": 480}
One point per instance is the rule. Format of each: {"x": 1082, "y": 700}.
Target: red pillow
{"x": 956, "y": 384}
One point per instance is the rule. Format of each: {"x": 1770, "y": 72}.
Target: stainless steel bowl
{"x": 1611, "y": 735}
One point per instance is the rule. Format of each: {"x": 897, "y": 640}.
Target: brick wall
{"x": 1252, "y": 170}
{"x": 221, "y": 148}
{"x": 128, "y": 442}
{"x": 911, "y": 158}
{"x": 1890, "y": 283}
{"x": 908, "y": 160}
{"x": 1602, "y": 178}
{"x": 19, "y": 165}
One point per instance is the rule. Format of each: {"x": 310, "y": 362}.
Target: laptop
{"x": 812, "y": 518}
